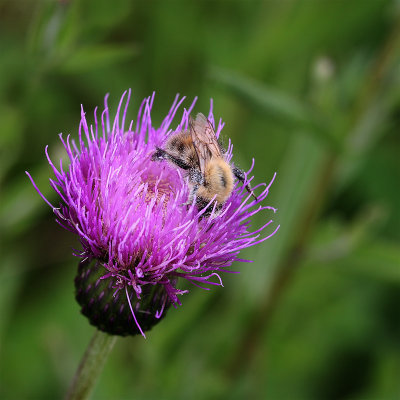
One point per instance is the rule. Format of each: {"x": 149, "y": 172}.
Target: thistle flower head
{"x": 139, "y": 236}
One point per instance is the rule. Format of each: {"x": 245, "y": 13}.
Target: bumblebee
{"x": 198, "y": 152}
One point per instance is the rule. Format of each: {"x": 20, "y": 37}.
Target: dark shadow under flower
{"x": 138, "y": 235}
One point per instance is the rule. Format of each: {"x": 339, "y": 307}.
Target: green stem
{"x": 91, "y": 366}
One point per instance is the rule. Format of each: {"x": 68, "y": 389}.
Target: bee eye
{"x": 181, "y": 148}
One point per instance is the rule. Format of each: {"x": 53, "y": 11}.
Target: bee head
{"x": 158, "y": 155}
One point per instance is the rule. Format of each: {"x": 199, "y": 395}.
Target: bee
{"x": 198, "y": 152}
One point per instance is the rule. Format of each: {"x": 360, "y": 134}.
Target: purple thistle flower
{"x": 137, "y": 232}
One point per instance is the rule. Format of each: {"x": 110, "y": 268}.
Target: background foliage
{"x": 311, "y": 90}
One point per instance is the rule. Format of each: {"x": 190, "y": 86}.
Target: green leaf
{"x": 379, "y": 260}
{"x": 285, "y": 107}
{"x": 87, "y": 58}
{"x": 267, "y": 98}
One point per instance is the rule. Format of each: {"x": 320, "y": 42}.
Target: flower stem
{"x": 91, "y": 366}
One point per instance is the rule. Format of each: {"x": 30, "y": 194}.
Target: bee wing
{"x": 204, "y": 140}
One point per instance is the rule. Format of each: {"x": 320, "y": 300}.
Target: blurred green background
{"x": 310, "y": 89}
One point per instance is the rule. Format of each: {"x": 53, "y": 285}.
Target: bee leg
{"x": 240, "y": 175}
{"x": 196, "y": 179}
{"x": 193, "y": 191}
